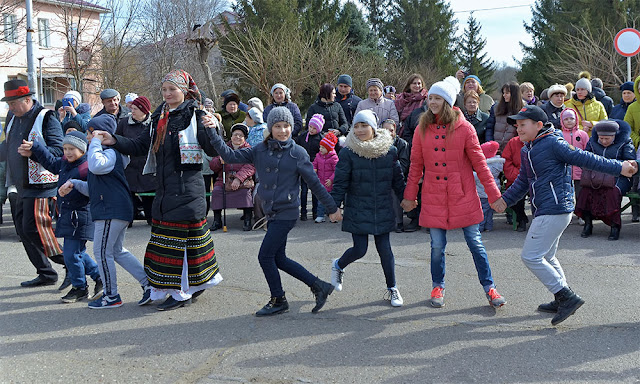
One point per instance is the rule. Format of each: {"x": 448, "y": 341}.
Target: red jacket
{"x": 511, "y": 154}
{"x": 449, "y": 197}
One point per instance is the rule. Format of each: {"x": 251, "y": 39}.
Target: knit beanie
{"x": 329, "y": 141}
{"x": 143, "y": 104}
{"x": 375, "y": 82}
{"x": 584, "y": 83}
{"x": 389, "y": 89}
{"x": 279, "y": 114}
{"x": 474, "y": 77}
{"x": 447, "y": 89}
{"x": 106, "y": 122}
{"x": 256, "y": 102}
{"x": 366, "y": 116}
{"x": 345, "y": 79}
{"x": 606, "y": 128}
{"x": 73, "y": 95}
{"x": 256, "y": 115}
{"x": 628, "y": 86}
{"x": 596, "y": 82}
{"x": 317, "y": 121}
{"x": 71, "y": 124}
{"x": 129, "y": 97}
{"x": 240, "y": 127}
{"x": 490, "y": 149}
{"x": 77, "y": 139}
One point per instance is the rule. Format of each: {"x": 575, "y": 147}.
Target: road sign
{"x": 627, "y": 42}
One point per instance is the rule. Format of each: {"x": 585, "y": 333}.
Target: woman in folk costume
{"x": 180, "y": 258}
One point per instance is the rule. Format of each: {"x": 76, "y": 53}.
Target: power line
{"x": 493, "y": 9}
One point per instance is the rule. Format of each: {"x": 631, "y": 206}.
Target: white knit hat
{"x": 73, "y": 95}
{"x": 448, "y": 89}
{"x": 130, "y": 97}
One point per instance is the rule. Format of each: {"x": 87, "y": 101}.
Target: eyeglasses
{"x": 239, "y": 134}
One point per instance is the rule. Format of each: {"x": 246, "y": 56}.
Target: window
{"x": 10, "y": 28}
{"x": 43, "y": 32}
{"x": 48, "y": 90}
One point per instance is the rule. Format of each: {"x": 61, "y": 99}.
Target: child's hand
{"x": 499, "y": 205}
{"x": 408, "y": 205}
{"x": 25, "y": 148}
{"x": 336, "y": 216}
{"x": 327, "y": 183}
{"x": 629, "y": 168}
{"x": 65, "y": 188}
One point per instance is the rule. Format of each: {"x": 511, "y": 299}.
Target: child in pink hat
{"x": 325, "y": 166}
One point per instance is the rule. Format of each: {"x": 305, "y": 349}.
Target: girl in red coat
{"x": 446, "y": 151}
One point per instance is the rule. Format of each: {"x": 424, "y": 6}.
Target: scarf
{"x": 370, "y": 149}
{"x": 188, "y": 86}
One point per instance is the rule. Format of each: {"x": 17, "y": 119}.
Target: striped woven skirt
{"x": 173, "y": 243}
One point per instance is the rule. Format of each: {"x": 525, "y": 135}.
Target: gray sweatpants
{"x": 107, "y": 249}
{"x": 539, "y": 250}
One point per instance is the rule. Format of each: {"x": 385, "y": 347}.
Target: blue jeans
{"x": 78, "y": 262}
{"x": 474, "y": 242}
{"x": 359, "y": 249}
{"x": 272, "y": 257}
{"x": 320, "y": 210}
{"x": 487, "y": 221}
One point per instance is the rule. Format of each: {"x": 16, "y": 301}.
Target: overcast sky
{"x": 503, "y": 28}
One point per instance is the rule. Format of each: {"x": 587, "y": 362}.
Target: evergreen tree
{"x": 359, "y": 35}
{"x": 270, "y": 14}
{"x": 421, "y": 31}
{"x": 376, "y": 13}
{"x": 470, "y": 56}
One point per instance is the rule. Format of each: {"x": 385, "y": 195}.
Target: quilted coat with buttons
{"x": 449, "y": 197}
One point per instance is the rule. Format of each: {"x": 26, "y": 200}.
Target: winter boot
{"x": 522, "y": 226}
{"x": 635, "y": 213}
{"x": 321, "y": 290}
{"x": 615, "y": 233}
{"x": 551, "y": 307}
{"x": 569, "y": 303}
{"x": 275, "y": 306}
{"x": 588, "y": 225}
{"x": 217, "y": 220}
{"x": 247, "y": 220}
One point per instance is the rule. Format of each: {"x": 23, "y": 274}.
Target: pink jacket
{"x": 579, "y": 139}
{"x": 449, "y": 197}
{"x": 325, "y": 166}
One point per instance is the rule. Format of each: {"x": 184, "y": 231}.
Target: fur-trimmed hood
{"x": 371, "y": 149}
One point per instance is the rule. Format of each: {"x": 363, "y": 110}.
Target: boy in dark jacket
{"x": 545, "y": 174}
{"x": 74, "y": 220}
{"x": 112, "y": 211}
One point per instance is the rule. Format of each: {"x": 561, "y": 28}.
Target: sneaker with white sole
{"x": 106, "y": 302}
{"x": 320, "y": 219}
{"x": 495, "y": 299}
{"x": 393, "y": 295}
{"x": 437, "y": 297}
{"x": 146, "y": 295}
{"x": 336, "y": 275}
{"x": 75, "y": 294}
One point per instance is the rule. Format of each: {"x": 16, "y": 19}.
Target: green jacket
{"x": 633, "y": 115}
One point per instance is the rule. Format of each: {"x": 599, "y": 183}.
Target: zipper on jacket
{"x": 555, "y": 197}
{"x": 533, "y": 187}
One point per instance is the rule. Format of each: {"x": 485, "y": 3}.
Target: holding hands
{"x": 25, "y": 148}
{"x": 336, "y": 216}
{"x": 499, "y": 205}
{"x": 629, "y": 168}
{"x": 65, "y": 188}
{"x": 408, "y": 205}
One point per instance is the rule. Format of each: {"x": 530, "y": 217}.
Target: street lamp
{"x": 40, "y": 88}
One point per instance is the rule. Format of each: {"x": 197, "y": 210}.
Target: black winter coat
{"x": 333, "y": 114}
{"x": 312, "y": 146}
{"x": 180, "y": 193}
{"x": 404, "y": 155}
{"x": 349, "y": 105}
{"x": 602, "y": 97}
{"x": 138, "y": 182}
{"x": 365, "y": 186}
{"x": 411, "y": 123}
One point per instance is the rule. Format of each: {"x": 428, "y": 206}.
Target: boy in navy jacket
{"x": 74, "y": 222}
{"x": 545, "y": 173}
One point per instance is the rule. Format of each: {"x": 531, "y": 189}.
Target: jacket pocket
{"x": 553, "y": 191}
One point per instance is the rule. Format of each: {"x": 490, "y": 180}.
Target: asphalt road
{"x": 356, "y": 338}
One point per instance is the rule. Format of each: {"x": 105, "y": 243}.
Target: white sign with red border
{"x": 627, "y": 42}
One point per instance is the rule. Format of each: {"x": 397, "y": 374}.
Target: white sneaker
{"x": 320, "y": 219}
{"x": 336, "y": 275}
{"x": 394, "y": 296}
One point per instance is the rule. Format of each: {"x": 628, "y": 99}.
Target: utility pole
{"x": 31, "y": 65}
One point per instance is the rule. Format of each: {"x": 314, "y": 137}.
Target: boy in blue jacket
{"x": 112, "y": 211}
{"x": 74, "y": 220}
{"x": 545, "y": 173}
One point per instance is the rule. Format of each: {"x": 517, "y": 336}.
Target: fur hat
{"x": 584, "y": 83}
{"x": 346, "y": 80}
{"x": 606, "y": 128}
{"x": 256, "y": 115}
{"x": 557, "y": 88}
{"x": 279, "y": 114}
{"x": 366, "y": 116}
{"x": 447, "y": 89}
{"x": 375, "y": 82}
{"x": 316, "y": 121}
{"x": 490, "y": 148}
{"x": 143, "y": 104}
{"x": 77, "y": 139}
{"x": 105, "y": 122}
{"x": 229, "y": 98}
{"x": 329, "y": 141}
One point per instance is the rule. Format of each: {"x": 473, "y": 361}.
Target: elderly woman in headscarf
{"x": 180, "y": 258}
{"x": 281, "y": 97}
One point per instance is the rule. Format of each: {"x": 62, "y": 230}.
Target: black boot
{"x": 217, "y": 220}
{"x": 569, "y": 303}
{"x": 247, "y": 223}
{"x": 66, "y": 282}
{"x": 588, "y": 225}
{"x": 303, "y": 216}
{"x": 635, "y": 213}
{"x": 615, "y": 233}
{"x": 509, "y": 219}
{"x": 321, "y": 290}
{"x": 275, "y": 306}
{"x": 412, "y": 226}
{"x": 522, "y": 226}
{"x": 551, "y": 307}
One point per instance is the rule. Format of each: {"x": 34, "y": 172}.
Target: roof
{"x": 78, "y": 4}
